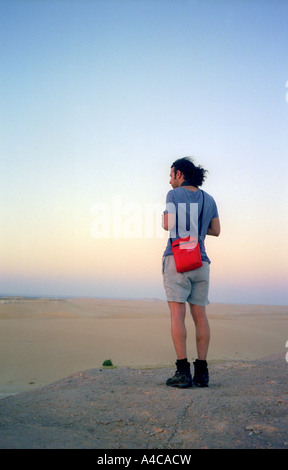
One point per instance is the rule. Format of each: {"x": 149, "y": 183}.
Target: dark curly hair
{"x": 194, "y": 175}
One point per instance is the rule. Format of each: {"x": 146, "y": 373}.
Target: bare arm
{"x": 168, "y": 221}
{"x": 214, "y": 227}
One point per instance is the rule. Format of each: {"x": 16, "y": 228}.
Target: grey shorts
{"x": 192, "y": 286}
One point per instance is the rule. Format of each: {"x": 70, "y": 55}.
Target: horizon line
{"x": 157, "y": 299}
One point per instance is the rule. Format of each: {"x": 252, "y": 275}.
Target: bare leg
{"x": 178, "y": 328}
{"x": 202, "y": 330}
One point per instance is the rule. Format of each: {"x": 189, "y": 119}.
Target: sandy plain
{"x": 44, "y": 340}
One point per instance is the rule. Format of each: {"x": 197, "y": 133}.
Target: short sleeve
{"x": 215, "y": 210}
{"x": 170, "y": 204}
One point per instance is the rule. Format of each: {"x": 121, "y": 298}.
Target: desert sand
{"x": 43, "y": 340}
{"x": 57, "y": 395}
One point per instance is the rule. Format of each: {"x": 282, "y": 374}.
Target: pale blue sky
{"x": 98, "y": 98}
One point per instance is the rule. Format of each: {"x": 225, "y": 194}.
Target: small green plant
{"x": 107, "y": 363}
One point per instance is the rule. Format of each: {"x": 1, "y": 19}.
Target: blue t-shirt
{"x": 187, "y": 206}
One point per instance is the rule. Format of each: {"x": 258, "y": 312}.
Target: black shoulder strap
{"x": 201, "y": 216}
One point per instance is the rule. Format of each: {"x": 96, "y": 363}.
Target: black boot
{"x": 201, "y": 374}
{"x": 182, "y": 377}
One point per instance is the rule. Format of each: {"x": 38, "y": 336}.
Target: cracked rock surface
{"x": 244, "y": 407}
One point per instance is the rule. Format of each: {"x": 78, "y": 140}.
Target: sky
{"x": 97, "y": 99}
